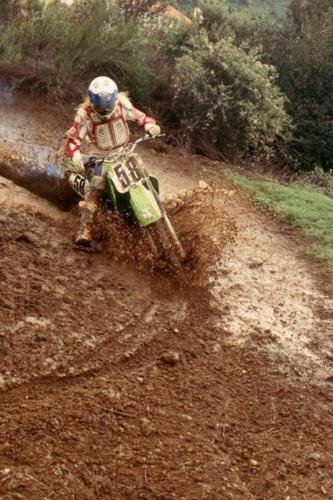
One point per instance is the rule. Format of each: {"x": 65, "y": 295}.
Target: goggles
{"x": 104, "y": 111}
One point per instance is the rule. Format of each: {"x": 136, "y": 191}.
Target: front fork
{"x": 166, "y": 218}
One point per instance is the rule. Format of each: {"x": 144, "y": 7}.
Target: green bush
{"x": 65, "y": 47}
{"x": 227, "y": 97}
{"x": 301, "y": 50}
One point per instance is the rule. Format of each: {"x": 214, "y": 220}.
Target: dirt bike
{"x": 134, "y": 194}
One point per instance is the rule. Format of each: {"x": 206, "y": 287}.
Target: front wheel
{"x": 165, "y": 241}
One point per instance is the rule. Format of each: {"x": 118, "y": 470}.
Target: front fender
{"x": 144, "y": 206}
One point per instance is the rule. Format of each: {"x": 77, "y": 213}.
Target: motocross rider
{"x": 101, "y": 124}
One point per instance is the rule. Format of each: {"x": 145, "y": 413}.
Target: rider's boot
{"x": 83, "y": 237}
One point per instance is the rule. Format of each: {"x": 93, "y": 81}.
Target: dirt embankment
{"x": 116, "y": 383}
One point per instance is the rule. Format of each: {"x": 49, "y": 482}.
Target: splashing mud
{"x": 202, "y": 226}
{"x": 36, "y": 168}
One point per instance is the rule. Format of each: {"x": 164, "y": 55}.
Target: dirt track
{"x": 115, "y": 384}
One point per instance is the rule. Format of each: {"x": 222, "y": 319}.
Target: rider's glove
{"x": 154, "y": 130}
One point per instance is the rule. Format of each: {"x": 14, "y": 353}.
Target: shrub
{"x": 304, "y": 62}
{"x": 301, "y": 50}
{"x": 65, "y": 47}
{"x": 227, "y": 97}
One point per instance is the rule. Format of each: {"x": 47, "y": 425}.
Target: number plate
{"x": 127, "y": 174}
{"x": 78, "y": 183}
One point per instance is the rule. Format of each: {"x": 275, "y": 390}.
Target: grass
{"x": 302, "y": 206}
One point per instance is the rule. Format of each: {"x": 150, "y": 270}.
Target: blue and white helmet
{"x": 103, "y": 94}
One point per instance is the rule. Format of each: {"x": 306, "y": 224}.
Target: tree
{"x": 305, "y": 13}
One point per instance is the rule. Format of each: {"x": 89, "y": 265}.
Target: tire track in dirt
{"x": 268, "y": 297}
{"x": 63, "y": 306}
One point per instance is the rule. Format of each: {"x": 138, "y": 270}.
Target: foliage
{"x": 301, "y": 50}
{"x": 305, "y": 13}
{"x": 224, "y": 95}
{"x": 303, "y": 207}
{"x": 134, "y": 9}
{"x": 276, "y": 8}
{"x": 304, "y": 63}
{"x": 221, "y": 83}
{"x": 8, "y": 8}
{"x": 319, "y": 179}
{"x": 65, "y": 46}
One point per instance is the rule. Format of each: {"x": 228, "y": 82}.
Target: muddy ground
{"x": 118, "y": 383}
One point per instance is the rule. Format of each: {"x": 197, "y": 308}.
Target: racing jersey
{"x": 103, "y": 135}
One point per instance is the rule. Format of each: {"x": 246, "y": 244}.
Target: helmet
{"x": 103, "y": 93}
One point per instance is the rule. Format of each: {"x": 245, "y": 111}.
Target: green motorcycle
{"x": 134, "y": 194}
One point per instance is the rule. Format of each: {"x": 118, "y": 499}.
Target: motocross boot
{"x": 83, "y": 237}
{"x": 89, "y": 207}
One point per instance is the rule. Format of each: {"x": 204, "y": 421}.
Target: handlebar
{"x": 146, "y": 137}
{"x": 129, "y": 148}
